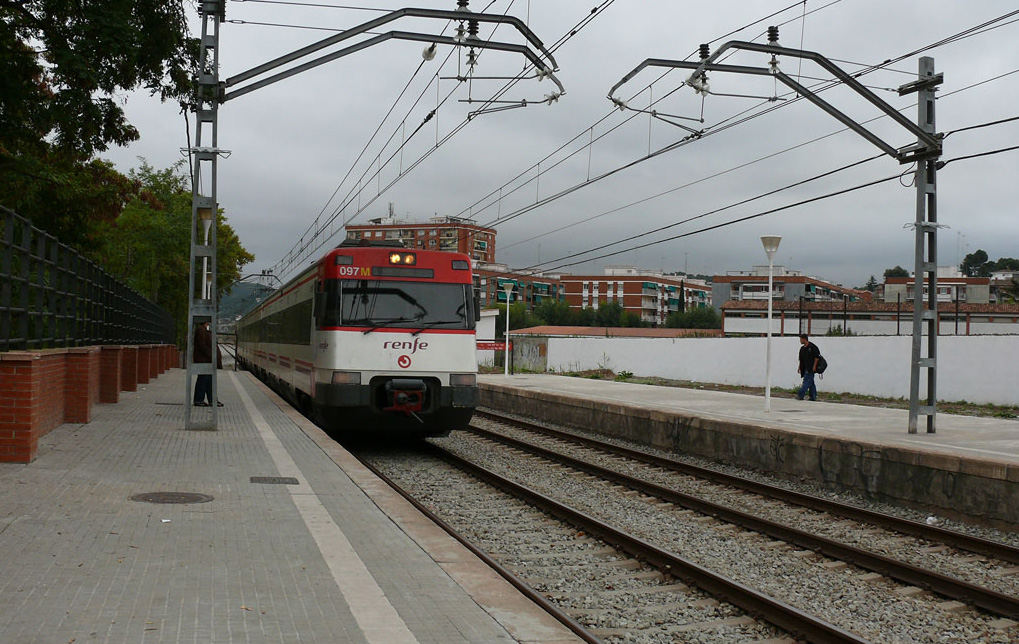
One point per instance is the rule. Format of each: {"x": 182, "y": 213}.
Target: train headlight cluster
{"x": 402, "y": 259}
{"x": 346, "y": 377}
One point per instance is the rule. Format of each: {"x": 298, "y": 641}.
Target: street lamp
{"x": 770, "y": 248}
{"x": 205, "y": 216}
{"x": 508, "y": 287}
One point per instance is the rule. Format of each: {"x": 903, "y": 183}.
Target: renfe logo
{"x": 405, "y": 345}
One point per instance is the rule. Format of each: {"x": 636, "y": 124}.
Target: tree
{"x": 898, "y": 271}
{"x": 609, "y": 314}
{"x": 62, "y": 69}
{"x": 871, "y": 284}
{"x": 702, "y": 317}
{"x": 69, "y": 199}
{"x": 1011, "y": 291}
{"x": 975, "y": 265}
{"x": 1006, "y": 264}
{"x": 148, "y": 245}
{"x": 555, "y": 313}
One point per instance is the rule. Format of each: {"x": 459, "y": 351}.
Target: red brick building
{"x": 651, "y": 295}
{"x": 452, "y": 234}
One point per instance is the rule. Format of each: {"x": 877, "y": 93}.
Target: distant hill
{"x": 242, "y": 298}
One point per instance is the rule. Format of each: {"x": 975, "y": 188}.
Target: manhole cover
{"x": 172, "y": 497}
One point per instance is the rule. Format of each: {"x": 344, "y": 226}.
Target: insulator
{"x": 472, "y": 28}
{"x": 461, "y": 5}
{"x": 705, "y": 51}
{"x": 773, "y": 35}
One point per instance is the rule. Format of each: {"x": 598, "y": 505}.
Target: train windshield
{"x": 377, "y": 304}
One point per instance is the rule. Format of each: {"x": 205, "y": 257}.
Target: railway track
{"x": 740, "y": 578}
{"x": 936, "y": 547}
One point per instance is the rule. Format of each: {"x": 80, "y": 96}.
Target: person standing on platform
{"x": 203, "y": 355}
{"x": 809, "y": 354}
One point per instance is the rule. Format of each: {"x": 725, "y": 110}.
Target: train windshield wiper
{"x": 379, "y": 324}
{"x": 430, "y": 324}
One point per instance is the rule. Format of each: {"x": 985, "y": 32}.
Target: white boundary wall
{"x": 982, "y": 369}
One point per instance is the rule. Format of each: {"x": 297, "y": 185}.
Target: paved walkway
{"x": 311, "y": 561}
{"x": 989, "y": 439}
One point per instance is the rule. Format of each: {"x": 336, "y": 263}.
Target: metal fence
{"x": 50, "y": 296}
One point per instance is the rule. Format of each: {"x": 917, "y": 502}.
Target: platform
{"x": 969, "y": 467}
{"x": 332, "y": 555}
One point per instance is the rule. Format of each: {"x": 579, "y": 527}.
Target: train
{"x": 370, "y": 338}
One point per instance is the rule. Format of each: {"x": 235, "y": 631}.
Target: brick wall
{"x": 81, "y": 384}
{"x": 109, "y": 378}
{"x": 144, "y": 353}
{"x": 129, "y": 369}
{"x": 40, "y": 390}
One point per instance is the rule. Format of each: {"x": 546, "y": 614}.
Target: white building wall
{"x": 980, "y": 369}
{"x": 485, "y": 332}
{"x": 887, "y": 326}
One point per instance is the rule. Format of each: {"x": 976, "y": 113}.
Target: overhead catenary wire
{"x": 597, "y": 10}
{"x": 755, "y": 161}
{"x": 757, "y": 215}
{"x": 982, "y": 28}
{"x": 728, "y": 223}
{"x": 543, "y": 265}
{"x": 294, "y": 255}
{"x": 715, "y": 211}
{"x": 582, "y": 134}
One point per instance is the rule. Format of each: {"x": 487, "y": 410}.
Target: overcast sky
{"x": 295, "y": 145}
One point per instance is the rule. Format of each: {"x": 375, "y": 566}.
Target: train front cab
{"x": 416, "y": 404}
{"x": 407, "y": 299}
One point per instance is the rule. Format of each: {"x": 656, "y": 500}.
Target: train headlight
{"x": 346, "y": 377}
{"x": 403, "y": 259}
{"x": 463, "y": 379}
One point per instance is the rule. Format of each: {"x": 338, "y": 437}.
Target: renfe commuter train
{"x": 371, "y": 338}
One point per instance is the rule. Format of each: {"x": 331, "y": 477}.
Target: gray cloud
{"x": 293, "y": 142}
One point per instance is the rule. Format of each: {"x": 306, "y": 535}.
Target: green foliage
{"x": 148, "y": 245}
{"x": 520, "y": 318}
{"x": 871, "y": 285}
{"x": 898, "y": 271}
{"x": 1011, "y": 291}
{"x": 66, "y": 62}
{"x": 978, "y": 264}
{"x": 610, "y": 314}
{"x": 839, "y": 332}
{"x": 66, "y": 197}
{"x": 624, "y": 375}
{"x": 555, "y": 312}
{"x": 975, "y": 264}
{"x": 703, "y": 317}
{"x": 64, "y": 67}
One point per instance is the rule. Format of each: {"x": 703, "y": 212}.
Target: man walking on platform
{"x": 809, "y": 354}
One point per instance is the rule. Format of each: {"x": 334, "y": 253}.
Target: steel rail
{"x": 948, "y": 537}
{"x": 951, "y": 587}
{"x": 788, "y": 618}
{"x": 573, "y": 625}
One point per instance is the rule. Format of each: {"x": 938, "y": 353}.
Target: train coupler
{"x": 406, "y": 395}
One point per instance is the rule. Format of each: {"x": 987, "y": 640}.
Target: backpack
{"x": 822, "y": 364}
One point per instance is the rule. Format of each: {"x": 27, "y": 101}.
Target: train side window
{"x": 320, "y": 307}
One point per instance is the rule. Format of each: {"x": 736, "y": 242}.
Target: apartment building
{"x": 650, "y": 294}
{"x": 531, "y": 288}
{"x": 451, "y": 234}
{"x": 788, "y": 286}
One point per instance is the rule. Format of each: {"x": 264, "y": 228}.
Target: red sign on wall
{"x": 493, "y": 346}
